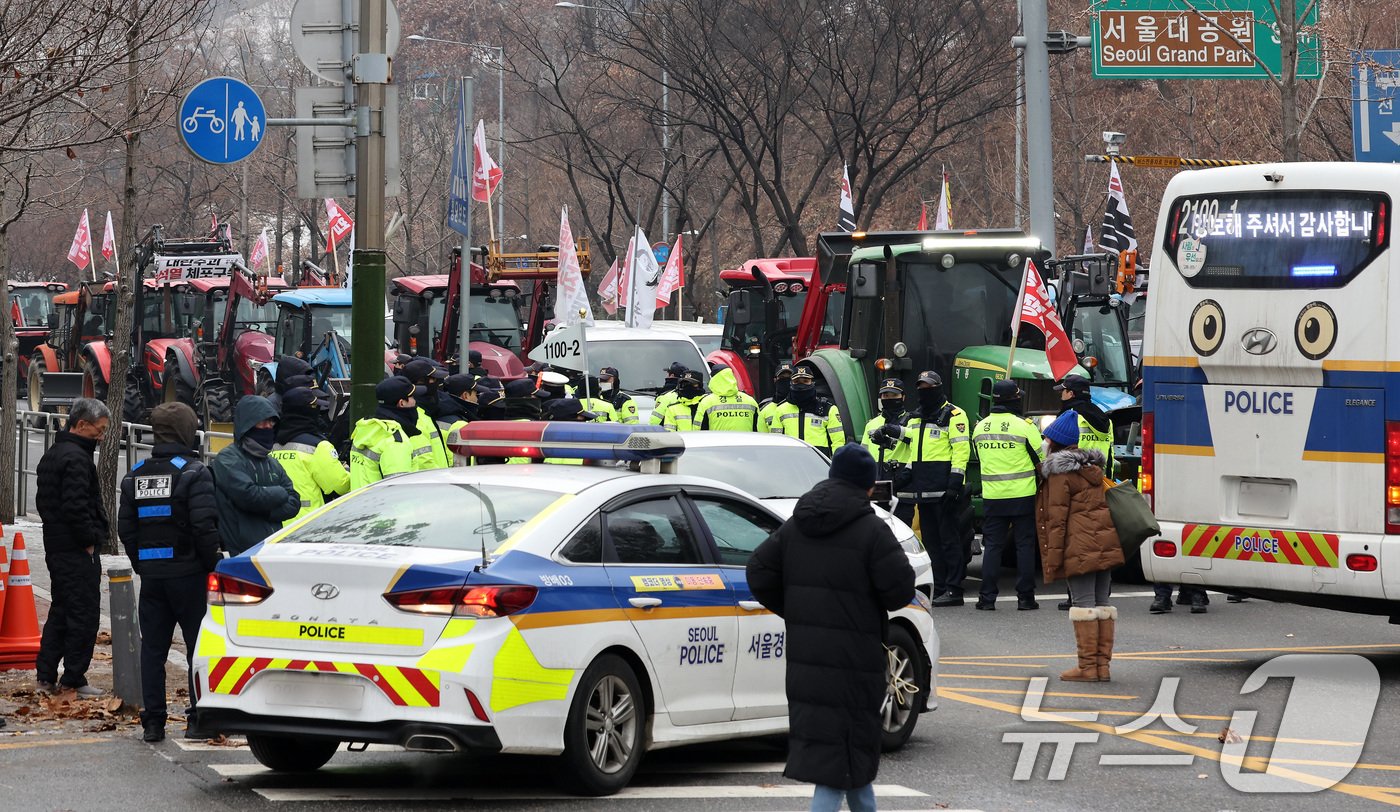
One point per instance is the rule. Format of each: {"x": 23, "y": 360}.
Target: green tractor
{"x": 945, "y": 301}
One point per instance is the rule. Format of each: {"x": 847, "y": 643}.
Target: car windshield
{"x": 1102, "y": 333}
{"x": 641, "y": 363}
{"x": 766, "y": 472}
{"x": 441, "y": 515}
{"x": 708, "y": 343}
{"x": 325, "y": 319}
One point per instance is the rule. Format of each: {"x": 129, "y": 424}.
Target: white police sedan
{"x": 586, "y": 611}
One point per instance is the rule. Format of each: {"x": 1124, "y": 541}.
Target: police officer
{"x": 667, "y": 396}
{"x": 882, "y": 444}
{"x": 933, "y": 445}
{"x": 398, "y": 439}
{"x": 567, "y": 410}
{"x": 682, "y": 413}
{"x": 808, "y": 416}
{"x": 305, "y": 451}
{"x": 462, "y": 404}
{"x": 552, "y": 386}
{"x": 1008, "y": 448}
{"x": 490, "y": 403}
{"x": 1095, "y": 429}
{"x": 610, "y": 387}
{"x": 519, "y": 400}
{"x": 597, "y": 404}
{"x": 168, "y": 525}
{"x": 782, "y": 387}
{"x": 727, "y": 408}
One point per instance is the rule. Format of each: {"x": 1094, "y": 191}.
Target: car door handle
{"x": 645, "y": 603}
{"x": 750, "y": 606}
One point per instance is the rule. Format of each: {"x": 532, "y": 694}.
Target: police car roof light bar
{"x": 588, "y": 441}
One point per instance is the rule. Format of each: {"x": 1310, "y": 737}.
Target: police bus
{"x": 1271, "y": 440}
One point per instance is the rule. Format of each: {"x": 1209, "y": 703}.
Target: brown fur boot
{"x": 1108, "y": 618}
{"x": 1086, "y": 637}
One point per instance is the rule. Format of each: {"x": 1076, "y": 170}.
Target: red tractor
{"x": 31, "y": 310}
{"x": 230, "y": 327}
{"x": 426, "y": 308}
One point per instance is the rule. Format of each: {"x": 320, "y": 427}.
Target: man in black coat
{"x": 167, "y": 520}
{"x": 833, "y": 572}
{"x": 75, "y": 528}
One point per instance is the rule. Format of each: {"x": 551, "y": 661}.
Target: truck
{"x": 508, "y": 320}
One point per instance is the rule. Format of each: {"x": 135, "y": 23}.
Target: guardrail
{"x": 46, "y": 425}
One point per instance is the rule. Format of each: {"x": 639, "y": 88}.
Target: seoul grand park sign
{"x": 1204, "y": 39}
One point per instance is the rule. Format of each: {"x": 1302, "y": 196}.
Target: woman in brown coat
{"x": 1078, "y": 543}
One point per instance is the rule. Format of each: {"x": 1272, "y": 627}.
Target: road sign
{"x": 1375, "y": 123}
{"x": 563, "y": 347}
{"x": 221, "y": 120}
{"x": 318, "y": 36}
{"x": 662, "y": 252}
{"x": 459, "y": 206}
{"x": 322, "y": 166}
{"x": 1209, "y": 39}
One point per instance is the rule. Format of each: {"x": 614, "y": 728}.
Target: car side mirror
{"x": 740, "y": 307}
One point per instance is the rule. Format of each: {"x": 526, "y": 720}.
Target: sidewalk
{"x": 30, "y": 714}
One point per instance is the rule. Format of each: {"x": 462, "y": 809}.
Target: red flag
{"x": 607, "y": 289}
{"x": 80, "y": 252}
{"x": 109, "y": 239}
{"x": 213, "y": 221}
{"x": 339, "y": 224}
{"x": 486, "y": 175}
{"x": 259, "y": 250}
{"x": 923, "y": 217}
{"x": 1035, "y": 309}
{"x": 673, "y": 277}
{"x": 16, "y": 317}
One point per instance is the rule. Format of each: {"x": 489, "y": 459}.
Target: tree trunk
{"x": 9, "y": 388}
{"x": 127, "y": 279}
{"x": 1288, "y": 77}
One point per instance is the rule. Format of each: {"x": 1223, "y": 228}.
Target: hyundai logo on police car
{"x": 1259, "y": 341}
{"x": 325, "y": 592}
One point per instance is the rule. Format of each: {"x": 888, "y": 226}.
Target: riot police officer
{"x": 1008, "y": 449}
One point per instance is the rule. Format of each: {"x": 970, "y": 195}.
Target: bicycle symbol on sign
{"x": 191, "y": 122}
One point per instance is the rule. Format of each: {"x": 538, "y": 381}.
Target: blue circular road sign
{"x": 222, "y": 120}
{"x": 662, "y": 252}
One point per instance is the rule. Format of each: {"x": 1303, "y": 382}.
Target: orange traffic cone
{"x": 19, "y": 626}
{"x": 4, "y": 565}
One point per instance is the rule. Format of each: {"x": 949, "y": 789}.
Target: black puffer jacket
{"x": 833, "y": 572}
{"x": 193, "y": 524}
{"x": 68, "y": 496}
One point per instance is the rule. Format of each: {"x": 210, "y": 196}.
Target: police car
{"x": 591, "y": 612}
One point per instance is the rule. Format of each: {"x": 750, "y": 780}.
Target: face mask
{"x": 469, "y": 410}
{"x": 688, "y": 389}
{"x": 891, "y": 407}
{"x": 803, "y": 394}
{"x": 608, "y": 386}
{"x": 782, "y": 388}
{"x": 932, "y": 398}
{"x": 266, "y": 438}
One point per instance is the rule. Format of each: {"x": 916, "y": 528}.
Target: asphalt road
{"x": 963, "y": 756}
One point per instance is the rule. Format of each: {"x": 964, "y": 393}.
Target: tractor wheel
{"x": 93, "y": 385}
{"x": 134, "y": 402}
{"x": 36, "y": 387}
{"x": 174, "y": 388}
{"x": 218, "y": 404}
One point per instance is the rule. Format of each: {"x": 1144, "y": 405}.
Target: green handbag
{"x": 1132, "y": 517}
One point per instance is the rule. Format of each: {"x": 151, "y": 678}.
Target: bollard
{"x": 126, "y": 637}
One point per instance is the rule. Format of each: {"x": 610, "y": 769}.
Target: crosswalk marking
{"x": 402, "y": 794}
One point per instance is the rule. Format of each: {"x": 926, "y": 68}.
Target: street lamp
{"x": 665, "y": 116}
{"x": 500, "y": 107}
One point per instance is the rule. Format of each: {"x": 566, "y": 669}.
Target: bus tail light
{"x": 1392, "y": 477}
{"x": 1362, "y": 562}
{"x": 1164, "y": 549}
{"x": 1147, "y": 466}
